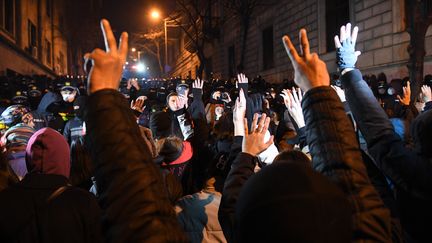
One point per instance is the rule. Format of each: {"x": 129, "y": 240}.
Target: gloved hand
{"x": 197, "y": 89}
{"x": 346, "y": 55}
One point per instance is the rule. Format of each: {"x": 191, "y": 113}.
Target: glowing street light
{"x": 140, "y": 67}
{"x": 133, "y": 49}
{"x": 155, "y": 14}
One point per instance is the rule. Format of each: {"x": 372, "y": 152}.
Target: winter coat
{"x": 408, "y": 169}
{"x": 73, "y": 130}
{"x": 336, "y": 154}
{"x": 198, "y": 215}
{"x": 130, "y": 186}
{"x": 43, "y": 207}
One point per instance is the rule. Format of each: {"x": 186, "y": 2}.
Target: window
{"x": 48, "y": 51}
{"x": 267, "y": 48}
{"x": 231, "y": 61}
{"x": 31, "y": 35}
{"x": 7, "y": 15}
{"x": 337, "y": 14}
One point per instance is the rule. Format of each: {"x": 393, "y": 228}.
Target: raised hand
{"x": 406, "y": 95}
{"x": 239, "y": 113}
{"x": 182, "y": 102}
{"x": 292, "y": 100}
{"x": 138, "y": 104}
{"x": 198, "y": 84}
{"x": 426, "y": 92}
{"x": 253, "y": 142}
{"x": 242, "y": 79}
{"x": 135, "y": 84}
{"x": 340, "y": 93}
{"x": 309, "y": 70}
{"x": 346, "y": 55}
{"x": 107, "y": 65}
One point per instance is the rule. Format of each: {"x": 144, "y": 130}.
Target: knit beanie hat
{"x": 160, "y": 124}
{"x": 18, "y": 135}
{"x": 289, "y": 202}
{"x": 173, "y": 151}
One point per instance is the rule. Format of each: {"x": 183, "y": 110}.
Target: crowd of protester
{"x": 321, "y": 158}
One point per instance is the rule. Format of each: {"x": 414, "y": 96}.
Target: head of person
{"x": 421, "y": 132}
{"x": 224, "y": 129}
{"x": 219, "y": 111}
{"x": 160, "y": 125}
{"x": 81, "y": 165}
{"x": 68, "y": 93}
{"x": 288, "y": 201}
{"x": 172, "y": 151}
{"x": 79, "y": 105}
{"x": 18, "y": 136}
{"x": 13, "y": 115}
{"x": 172, "y": 101}
{"x": 48, "y": 152}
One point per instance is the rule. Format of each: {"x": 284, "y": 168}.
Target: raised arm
{"x": 407, "y": 169}
{"x": 135, "y": 202}
{"x": 333, "y": 144}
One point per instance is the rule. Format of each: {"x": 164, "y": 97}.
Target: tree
{"x": 244, "y": 10}
{"x": 82, "y": 24}
{"x": 419, "y": 18}
{"x": 195, "y": 18}
{"x": 151, "y": 42}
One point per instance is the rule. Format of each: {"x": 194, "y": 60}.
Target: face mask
{"x": 391, "y": 91}
{"x": 68, "y": 96}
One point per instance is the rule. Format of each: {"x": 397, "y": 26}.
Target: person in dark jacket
{"x": 46, "y": 114}
{"x": 335, "y": 154}
{"x": 408, "y": 169}
{"x": 130, "y": 186}
{"x": 43, "y": 207}
{"x": 74, "y": 128}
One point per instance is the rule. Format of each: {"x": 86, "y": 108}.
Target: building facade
{"x": 32, "y": 39}
{"x": 383, "y": 39}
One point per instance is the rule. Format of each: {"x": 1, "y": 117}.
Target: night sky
{"x": 133, "y": 15}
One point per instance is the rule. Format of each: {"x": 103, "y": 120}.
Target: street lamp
{"x": 155, "y": 14}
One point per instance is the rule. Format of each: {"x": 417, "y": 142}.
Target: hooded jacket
{"x": 44, "y": 116}
{"x": 43, "y": 207}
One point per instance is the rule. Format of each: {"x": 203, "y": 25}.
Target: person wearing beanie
{"x": 160, "y": 124}
{"x": 74, "y": 128}
{"x": 336, "y": 156}
{"x": 173, "y": 155}
{"x": 44, "y": 207}
{"x": 16, "y": 139}
{"x": 13, "y": 115}
{"x": 289, "y": 202}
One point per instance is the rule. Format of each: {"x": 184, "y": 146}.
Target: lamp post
{"x": 155, "y": 14}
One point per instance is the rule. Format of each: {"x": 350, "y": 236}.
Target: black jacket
{"x": 73, "y": 130}
{"x": 242, "y": 169}
{"x": 28, "y": 215}
{"x": 131, "y": 189}
{"x": 336, "y": 154}
{"x": 410, "y": 170}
